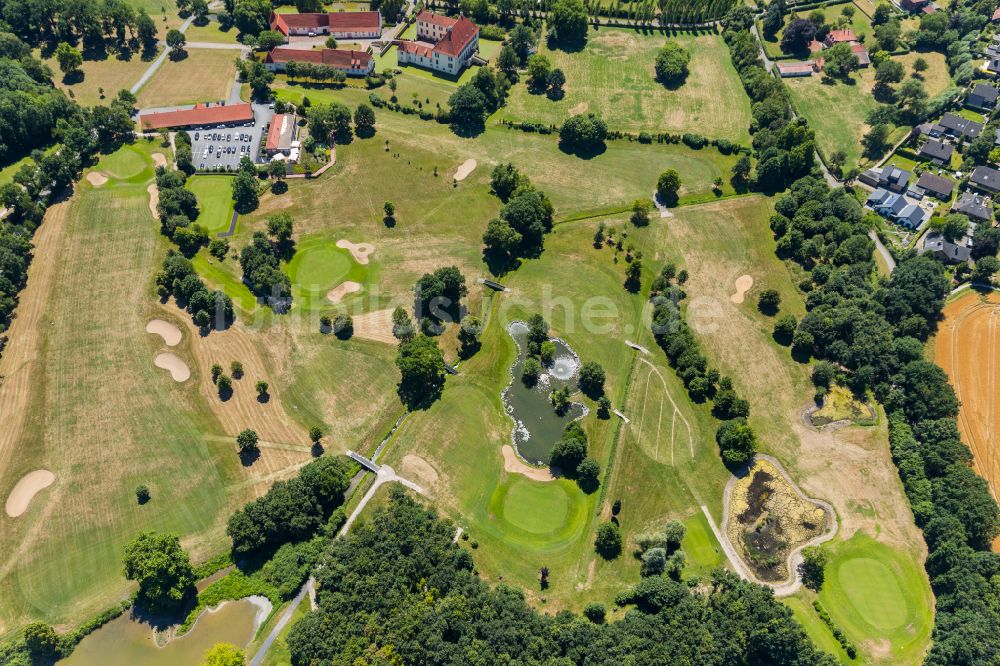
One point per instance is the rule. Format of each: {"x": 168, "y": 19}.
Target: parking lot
{"x": 221, "y": 147}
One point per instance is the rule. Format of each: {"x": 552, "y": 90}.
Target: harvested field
{"x": 375, "y": 326}
{"x": 174, "y": 364}
{"x": 966, "y": 347}
{"x": 171, "y": 334}
{"x": 30, "y": 485}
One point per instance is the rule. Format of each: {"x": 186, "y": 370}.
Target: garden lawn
{"x": 211, "y": 32}
{"x": 878, "y": 595}
{"x": 205, "y": 75}
{"x": 111, "y": 74}
{"x": 836, "y": 111}
{"x": 936, "y": 77}
{"x": 614, "y": 77}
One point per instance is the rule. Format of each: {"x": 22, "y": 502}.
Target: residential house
{"x": 340, "y": 25}
{"x": 897, "y": 208}
{"x": 996, "y": 16}
{"x": 861, "y": 53}
{"x": 991, "y": 67}
{"x": 443, "y": 44}
{"x": 945, "y": 250}
{"x": 935, "y": 185}
{"x": 893, "y": 178}
{"x": 352, "y": 63}
{"x": 983, "y": 97}
{"x": 913, "y": 5}
{"x": 937, "y": 151}
{"x": 839, "y": 36}
{"x": 974, "y": 206}
{"x": 985, "y": 178}
{"x": 281, "y": 135}
{"x": 957, "y": 127}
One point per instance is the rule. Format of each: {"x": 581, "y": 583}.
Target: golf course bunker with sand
{"x": 744, "y": 283}
{"x": 537, "y": 426}
{"x": 324, "y": 272}
{"x": 125, "y": 641}
{"x": 359, "y": 251}
{"x": 96, "y": 178}
{"x": 466, "y": 168}
{"x": 171, "y": 334}
{"x": 25, "y": 490}
{"x": 767, "y": 519}
{"x": 175, "y": 365}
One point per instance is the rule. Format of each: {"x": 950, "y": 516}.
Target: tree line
{"x": 876, "y": 332}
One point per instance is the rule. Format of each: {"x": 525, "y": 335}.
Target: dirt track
{"x": 966, "y": 347}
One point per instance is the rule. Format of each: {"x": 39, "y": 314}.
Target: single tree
{"x": 162, "y": 569}
{"x": 42, "y": 641}
{"x": 262, "y": 388}
{"x": 315, "y": 434}
{"x": 236, "y": 369}
{"x": 142, "y": 493}
{"x": 530, "y": 371}
{"x": 176, "y": 42}
{"x": 812, "y": 569}
{"x": 247, "y": 440}
{"x": 672, "y": 64}
{"x": 364, "y": 121}
{"x": 667, "y": 187}
{"x": 70, "y": 60}
{"x": 223, "y": 654}
{"x": 591, "y": 379}
{"x": 769, "y": 301}
{"x": 608, "y": 542}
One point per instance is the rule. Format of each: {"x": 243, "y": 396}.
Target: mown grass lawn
{"x": 614, "y": 77}
{"x": 112, "y": 74}
{"x": 215, "y": 201}
{"x": 205, "y": 75}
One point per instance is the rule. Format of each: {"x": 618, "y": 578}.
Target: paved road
{"x": 385, "y": 475}
{"x": 285, "y": 618}
{"x": 155, "y": 65}
{"x": 883, "y": 250}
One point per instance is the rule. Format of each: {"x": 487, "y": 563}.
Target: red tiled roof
{"x": 341, "y": 59}
{"x": 836, "y": 36}
{"x": 337, "y": 21}
{"x": 996, "y": 15}
{"x": 463, "y": 32}
{"x": 795, "y": 67}
{"x": 199, "y": 115}
{"x": 416, "y": 48}
{"x": 861, "y": 53}
{"x": 436, "y": 19}
{"x": 278, "y": 121}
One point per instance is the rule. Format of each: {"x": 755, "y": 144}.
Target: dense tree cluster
{"x": 525, "y": 218}
{"x": 584, "y": 134}
{"x": 784, "y": 145}
{"x": 261, "y": 261}
{"x": 291, "y": 510}
{"x": 97, "y": 26}
{"x": 481, "y": 96}
{"x": 178, "y": 278}
{"x": 177, "y": 209}
{"x": 876, "y": 334}
{"x": 438, "y": 295}
{"x": 568, "y": 23}
{"x": 399, "y": 590}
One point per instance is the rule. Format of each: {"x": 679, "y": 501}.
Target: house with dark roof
{"x": 958, "y": 127}
{"x": 945, "y": 250}
{"x": 913, "y": 5}
{"x": 340, "y": 25}
{"x": 973, "y": 205}
{"x": 935, "y": 185}
{"x": 443, "y": 43}
{"x": 983, "y": 97}
{"x": 985, "y": 178}
{"x": 991, "y": 67}
{"x": 352, "y": 63}
{"x": 937, "y": 151}
{"x": 897, "y": 208}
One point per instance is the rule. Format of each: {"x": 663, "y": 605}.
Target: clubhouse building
{"x": 339, "y": 25}
{"x": 443, "y": 44}
{"x": 201, "y": 115}
{"x": 352, "y": 63}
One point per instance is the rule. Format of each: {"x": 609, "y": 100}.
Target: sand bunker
{"x": 159, "y": 160}
{"x": 579, "y": 108}
{"x": 375, "y": 326}
{"x": 359, "y": 251}
{"x": 337, "y": 294}
{"x": 511, "y": 463}
{"x": 171, "y": 334}
{"x": 743, "y": 285}
{"x": 174, "y": 364}
{"x": 465, "y": 169}
{"x": 29, "y": 485}
{"x": 96, "y": 179}
{"x": 154, "y": 200}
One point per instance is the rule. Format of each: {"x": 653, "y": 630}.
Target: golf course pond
{"x": 125, "y": 641}
{"x": 537, "y": 426}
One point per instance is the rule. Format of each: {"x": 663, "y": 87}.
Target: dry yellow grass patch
{"x": 205, "y": 75}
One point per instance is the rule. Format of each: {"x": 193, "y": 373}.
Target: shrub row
{"x": 838, "y": 633}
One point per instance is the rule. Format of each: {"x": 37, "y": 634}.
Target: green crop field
{"x": 613, "y": 76}
{"x": 878, "y": 595}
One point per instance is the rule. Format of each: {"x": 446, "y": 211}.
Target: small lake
{"x": 126, "y": 642}
{"x": 537, "y": 427}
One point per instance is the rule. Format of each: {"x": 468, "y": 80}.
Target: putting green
{"x": 878, "y": 594}
{"x": 317, "y": 267}
{"x": 541, "y": 513}
{"x": 539, "y": 508}
{"x": 129, "y": 162}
